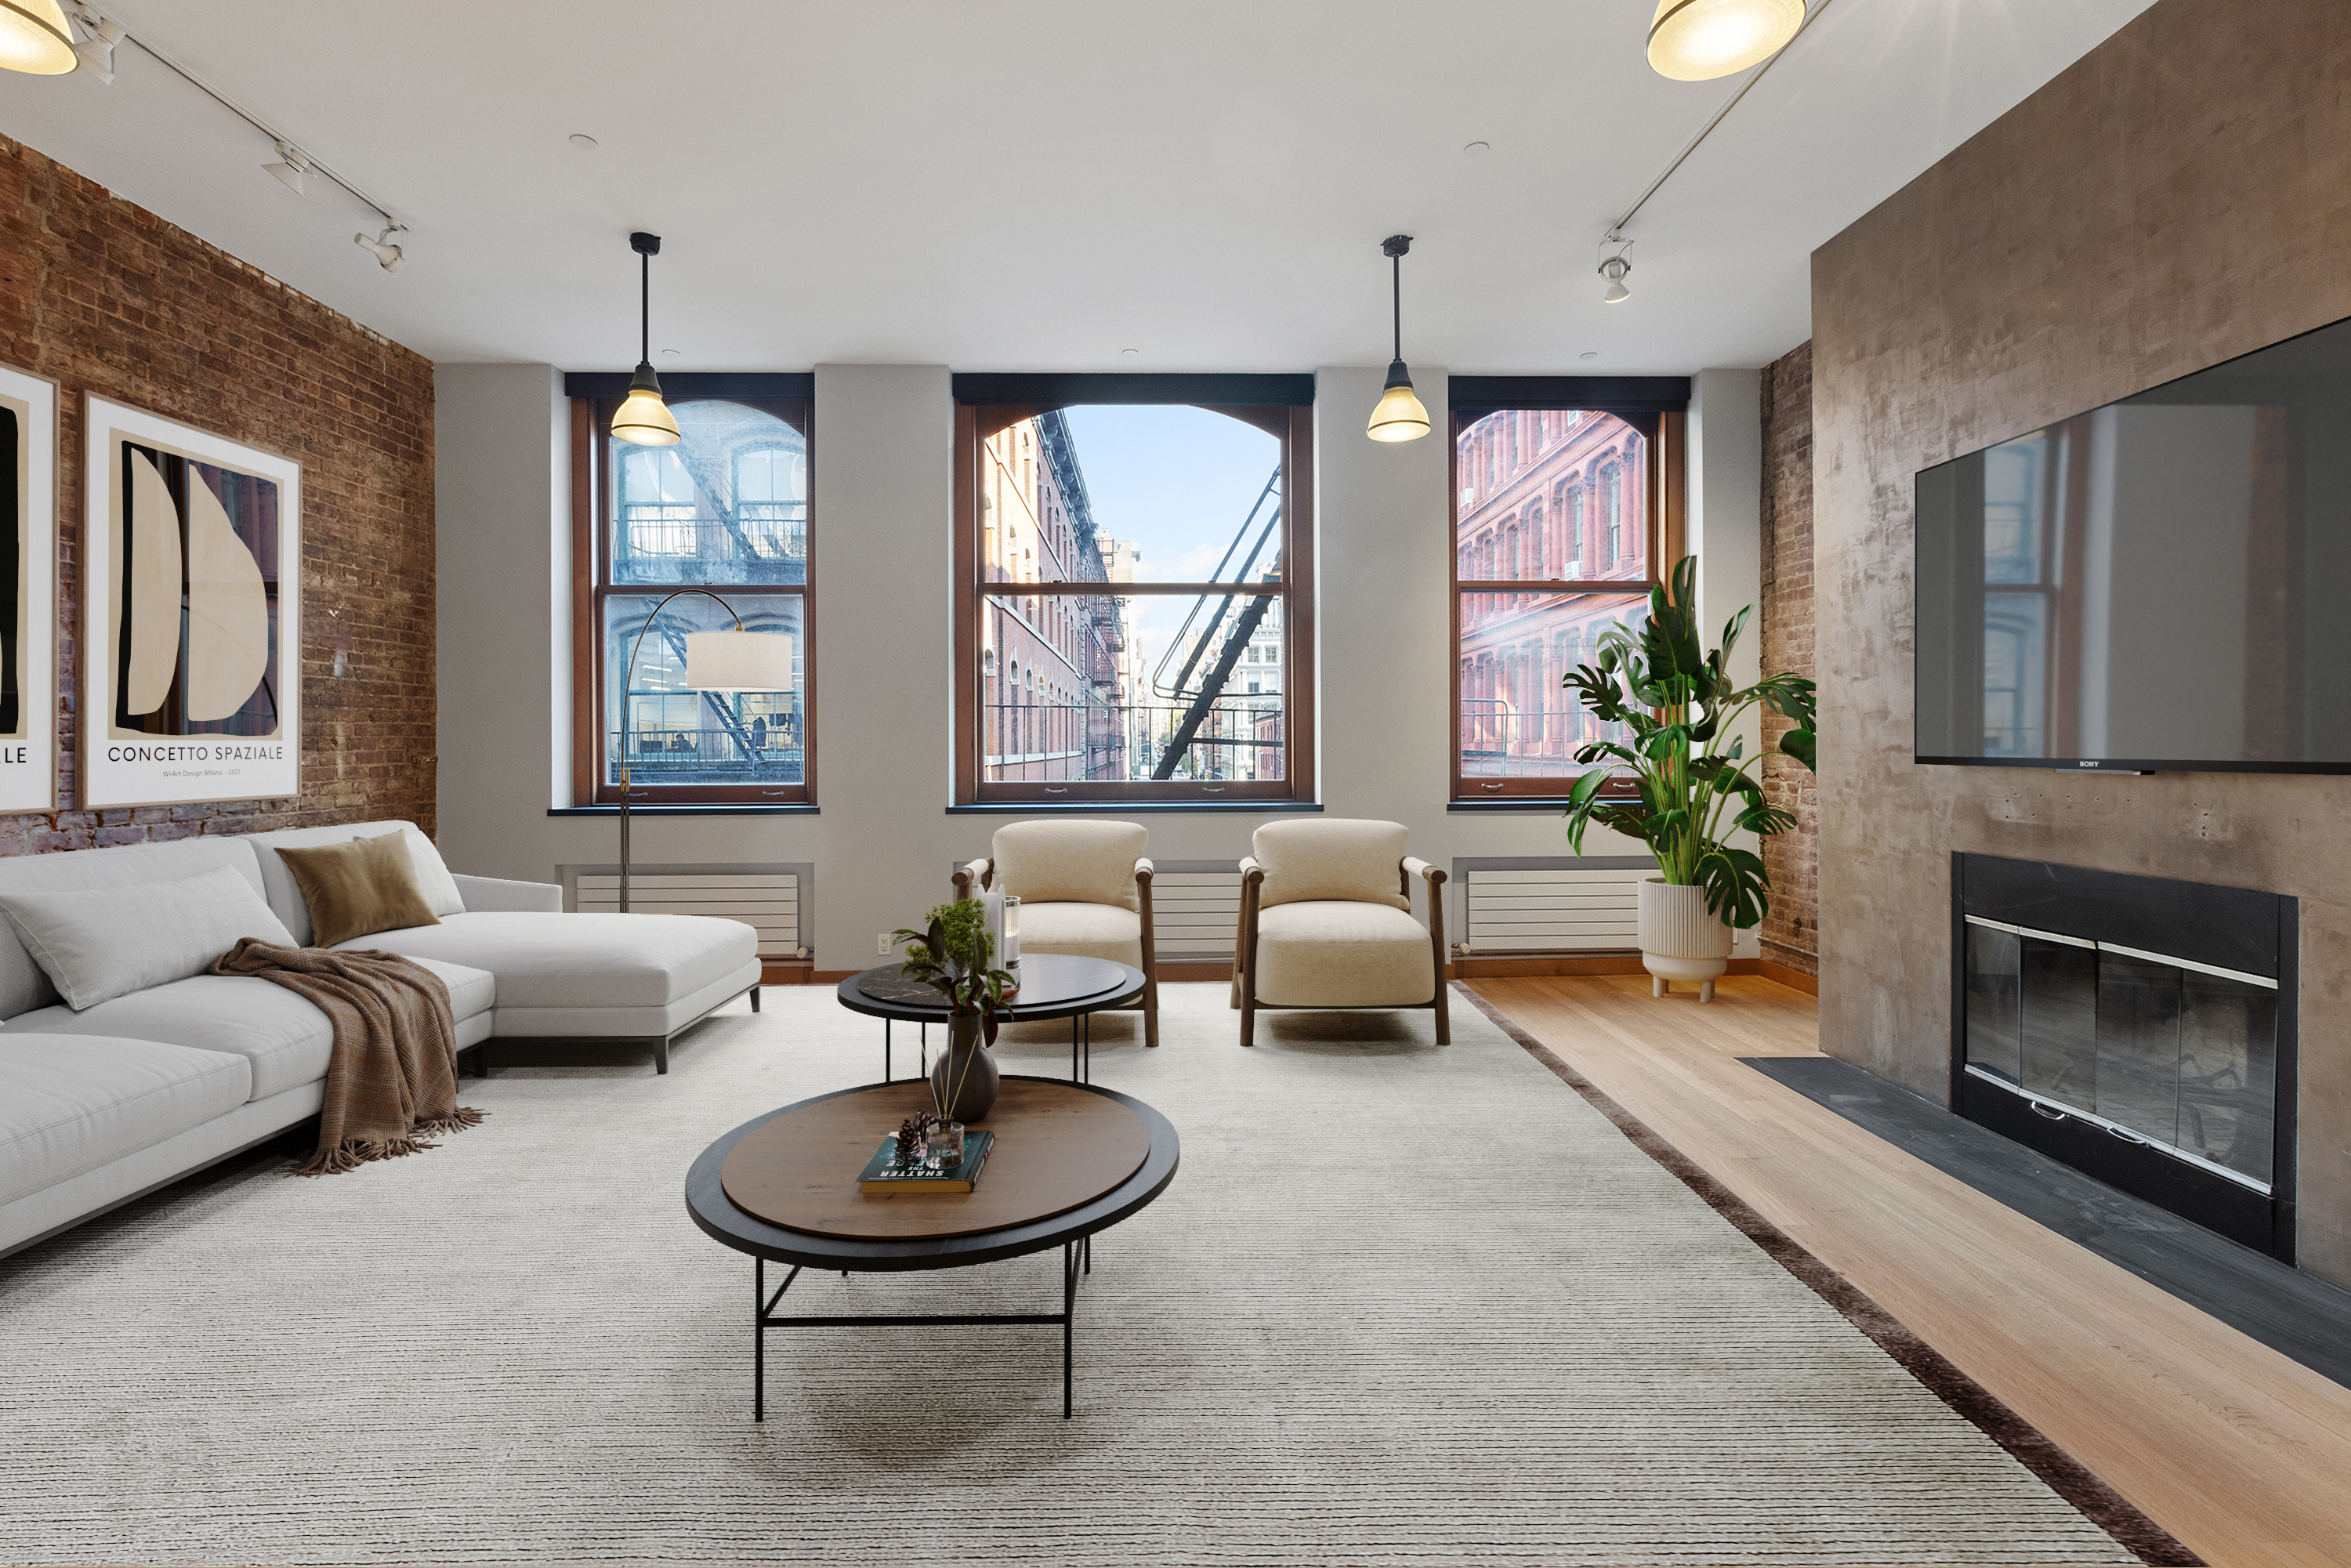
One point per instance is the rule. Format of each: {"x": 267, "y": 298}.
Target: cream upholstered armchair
{"x": 1084, "y": 888}
{"x": 1326, "y": 921}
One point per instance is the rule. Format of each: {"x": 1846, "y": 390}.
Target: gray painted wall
{"x": 883, "y": 447}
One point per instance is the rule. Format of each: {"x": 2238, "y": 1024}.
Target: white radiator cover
{"x": 1565, "y": 909}
{"x": 1195, "y": 914}
{"x": 768, "y": 902}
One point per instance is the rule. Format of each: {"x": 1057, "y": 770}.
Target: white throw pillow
{"x": 108, "y": 942}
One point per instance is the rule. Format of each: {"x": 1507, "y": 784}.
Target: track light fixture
{"x": 96, "y": 50}
{"x": 1398, "y": 415}
{"x": 1614, "y": 268}
{"x": 35, "y": 39}
{"x": 1697, "y": 40}
{"x": 290, "y": 167}
{"x": 388, "y": 255}
{"x": 643, "y": 418}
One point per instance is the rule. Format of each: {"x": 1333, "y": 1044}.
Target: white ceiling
{"x": 1039, "y": 184}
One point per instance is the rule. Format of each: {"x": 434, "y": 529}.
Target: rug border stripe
{"x": 2056, "y": 1469}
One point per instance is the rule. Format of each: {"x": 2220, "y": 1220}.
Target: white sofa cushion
{"x": 1081, "y": 859}
{"x": 1343, "y": 954}
{"x": 22, "y": 984}
{"x": 96, "y": 944}
{"x": 1331, "y": 858}
{"x": 72, "y": 1102}
{"x": 286, "y": 1038}
{"x": 609, "y": 1022}
{"x": 582, "y": 961}
{"x": 1088, "y": 930}
{"x": 285, "y": 895}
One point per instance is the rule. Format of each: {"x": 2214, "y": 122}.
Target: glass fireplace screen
{"x": 2160, "y": 1051}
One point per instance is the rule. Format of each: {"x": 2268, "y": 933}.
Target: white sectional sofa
{"x": 101, "y": 1105}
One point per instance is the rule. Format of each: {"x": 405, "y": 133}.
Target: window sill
{"x": 1523, "y": 803}
{"x": 719, "y": 810}
{"x": 1124, "y": 809}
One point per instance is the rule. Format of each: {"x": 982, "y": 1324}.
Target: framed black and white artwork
{"x": 28, "y": 592}
{"x": 192, "y": 615}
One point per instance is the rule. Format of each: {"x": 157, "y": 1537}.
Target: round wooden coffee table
{"x": 1052, "y": 986}
{"x": 1068, "y": 1160}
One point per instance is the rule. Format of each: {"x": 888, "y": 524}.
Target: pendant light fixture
{"x": 1697, "y": 40}
{"x": 35, "y": 39}
{"x": 1399, "y": 415}
{"x": 643, "y": 418}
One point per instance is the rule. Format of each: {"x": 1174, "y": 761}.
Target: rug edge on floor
{"x": 2027, "y": 1444}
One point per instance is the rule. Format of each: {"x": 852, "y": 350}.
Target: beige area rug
{"x": 1402, "y": 1304}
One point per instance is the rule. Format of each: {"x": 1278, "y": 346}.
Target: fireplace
{"x": 2139, "y": 1030}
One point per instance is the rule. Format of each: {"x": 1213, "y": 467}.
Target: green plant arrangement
{"x": 1676, "y": 698}
{"x": 951, "y": 954}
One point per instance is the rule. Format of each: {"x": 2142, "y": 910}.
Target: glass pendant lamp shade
{"x": 738, "y": 662}
{"x": 645, "y": 418}
{"x": 35, "y": 39}
{"x": 1399, "y": 415}
{"x": 1697, "y": 40}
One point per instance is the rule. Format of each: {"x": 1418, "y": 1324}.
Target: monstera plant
{"x": 1692, "y": 787}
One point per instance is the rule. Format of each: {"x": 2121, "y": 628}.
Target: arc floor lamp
{"x": 735, "y": 661}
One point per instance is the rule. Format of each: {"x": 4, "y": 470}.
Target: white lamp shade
{"x": 738, "y": 662}
{"x": 1697, "y": 40}
{"x": 643, "y": 419}
{"x": 1399, "y": 416}
{"x": 34, "y": 39}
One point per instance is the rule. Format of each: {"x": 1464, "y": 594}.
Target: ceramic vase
{"x": 1680, "y": 939}
{"x": 964, "y": 1080}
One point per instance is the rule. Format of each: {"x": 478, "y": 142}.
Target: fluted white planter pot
{"x": 1680, "y": 939}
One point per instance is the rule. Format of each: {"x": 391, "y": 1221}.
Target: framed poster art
{"x": 28, "y": 592}
{"x": 190, "y": 614}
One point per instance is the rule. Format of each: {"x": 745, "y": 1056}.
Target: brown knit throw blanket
{"x": 392, "y": 1079}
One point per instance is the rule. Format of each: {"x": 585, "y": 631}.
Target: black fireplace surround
{"x": 2139, "y": 1030}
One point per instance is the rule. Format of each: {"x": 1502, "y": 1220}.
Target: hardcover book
{"x": 886, "y": 1178}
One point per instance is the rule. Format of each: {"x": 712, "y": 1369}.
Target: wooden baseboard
{"x": 1794, "y": 980}
{"x": 1171, "y": 974}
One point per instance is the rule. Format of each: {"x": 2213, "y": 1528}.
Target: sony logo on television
{"x": 2086, "y": 762}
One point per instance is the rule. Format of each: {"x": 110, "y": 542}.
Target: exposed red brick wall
{"x": 1792, "y": 932}
{"x": 104, "y": 297}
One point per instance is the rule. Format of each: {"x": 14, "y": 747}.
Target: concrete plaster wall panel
{"x": 2181, "y": 195}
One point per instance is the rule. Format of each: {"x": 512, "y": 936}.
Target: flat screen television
{"x": 2163, "y": 583}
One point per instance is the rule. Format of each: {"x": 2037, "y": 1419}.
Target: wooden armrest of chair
{"x": 1415, "y": 866}
{"x": 1144, "y": 871}
{"x": 979, "y": 871}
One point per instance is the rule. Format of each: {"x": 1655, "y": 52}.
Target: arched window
{"x": 1586, "y": 517}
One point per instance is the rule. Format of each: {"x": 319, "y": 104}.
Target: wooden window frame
{"x": 1291, "y": 424}
{"x": 591, "y": 585}
{"x": 1664, "y": 481}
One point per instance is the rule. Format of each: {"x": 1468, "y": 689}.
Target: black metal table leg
{"x": 885, "y": 1050}
{"x": 1068, "y": 1318}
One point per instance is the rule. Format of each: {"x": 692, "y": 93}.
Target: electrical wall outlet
{"x": 882, "y": 944}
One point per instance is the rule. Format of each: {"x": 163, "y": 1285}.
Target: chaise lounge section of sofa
{"x": 101, "y": 1105}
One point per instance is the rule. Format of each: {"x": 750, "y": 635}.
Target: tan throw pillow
{"x": 359, "y": 888}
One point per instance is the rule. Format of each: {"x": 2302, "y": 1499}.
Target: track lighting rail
{"x": 312, "y": 163}
{"x": 1616, "y": 229}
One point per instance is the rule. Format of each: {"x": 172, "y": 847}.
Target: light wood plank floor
{"x": 2242, "y": 1454}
